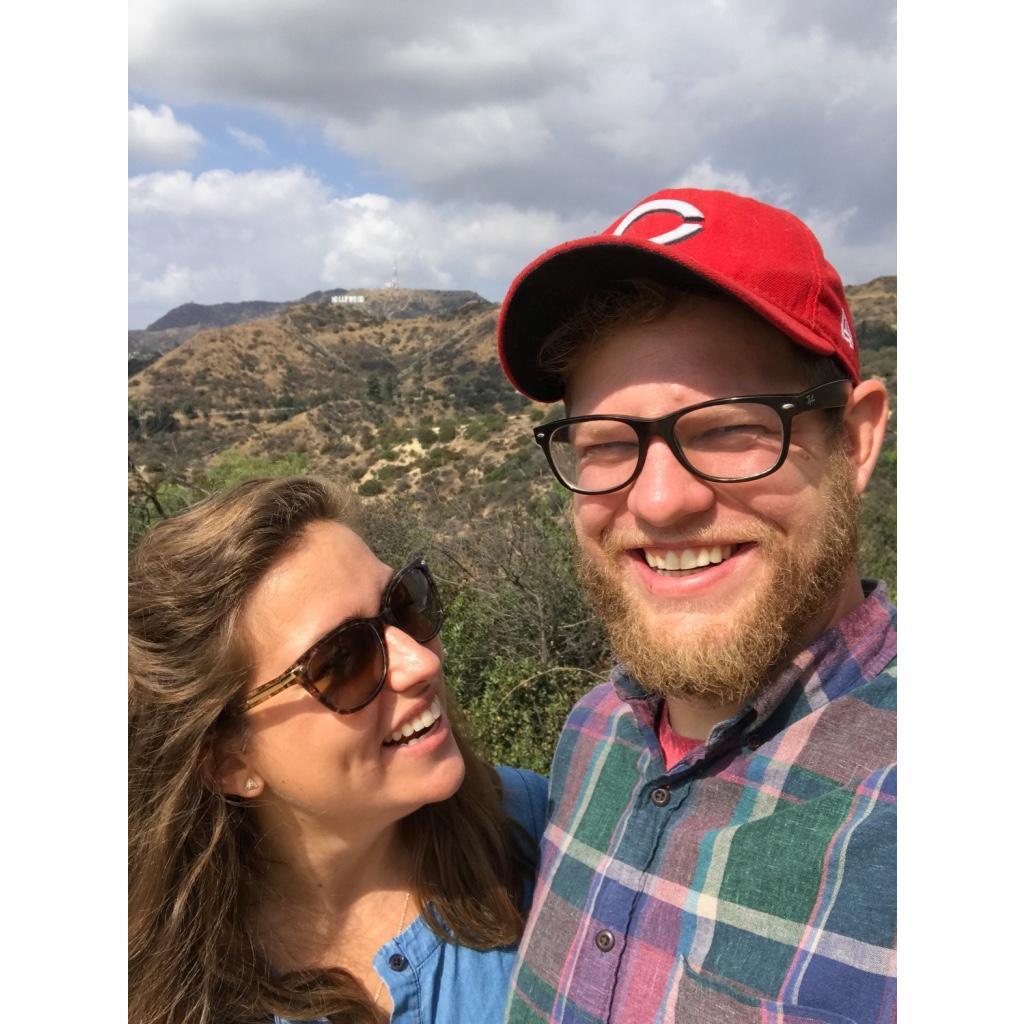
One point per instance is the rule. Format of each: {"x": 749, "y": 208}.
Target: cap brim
{"x": 555, "y": 285}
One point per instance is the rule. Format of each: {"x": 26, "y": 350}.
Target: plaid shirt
{"x": 755, "y": 881}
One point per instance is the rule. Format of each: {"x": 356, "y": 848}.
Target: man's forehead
{"x": 706, "y": 348}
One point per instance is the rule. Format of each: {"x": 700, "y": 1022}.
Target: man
{"x": 721, "y": 844}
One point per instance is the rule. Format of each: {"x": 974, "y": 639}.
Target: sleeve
{"x": 526, "y": 798}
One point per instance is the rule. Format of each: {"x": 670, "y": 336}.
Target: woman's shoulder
{"x": 526, "y": 797}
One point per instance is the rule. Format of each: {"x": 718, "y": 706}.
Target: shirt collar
{"x": 858, "y": 647}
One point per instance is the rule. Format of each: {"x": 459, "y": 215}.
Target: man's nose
{"x": 410, "y": 663}
{"x": 666, "y": 490}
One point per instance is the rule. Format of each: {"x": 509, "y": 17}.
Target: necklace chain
{"x": 401, "y": 925}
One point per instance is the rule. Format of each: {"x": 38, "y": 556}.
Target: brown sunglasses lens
{"x": 415, "y": 605}
{"x": 348, "y": 667}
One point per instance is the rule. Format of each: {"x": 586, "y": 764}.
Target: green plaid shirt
{"x": 754, "y": 881}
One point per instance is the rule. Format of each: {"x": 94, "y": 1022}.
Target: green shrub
{"x": 370, "y": 487}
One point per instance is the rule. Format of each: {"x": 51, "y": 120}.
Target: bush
{"x": 370, "y": 487}
{"x": 426, "y": 436}
{"x": 232, "y": 467}
{"x": 160, "y": 421}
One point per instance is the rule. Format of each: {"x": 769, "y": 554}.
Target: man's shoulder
{"x": 599, "y": 720}
{"x": 601, "y": 700}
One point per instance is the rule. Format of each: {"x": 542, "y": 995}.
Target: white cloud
{"x": 157, "y": 138}
{"x": 567, "y": 104}
{"x": 516, "y": 127}
{"x": 227, "y": 237}
{"x": 247, "y": 140}
{"x": 452, "y": 143}
{"x": 704, "y": 175}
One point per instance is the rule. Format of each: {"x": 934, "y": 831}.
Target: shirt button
{"x": 754, "y": 742}
{"x": 397, "y": 962}
{"x": 604, "y": 940}
{"x": 660, "y": 796}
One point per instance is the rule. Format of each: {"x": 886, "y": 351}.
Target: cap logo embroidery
{"x": 687, "y": 213}
{"x": 844, "y": 327}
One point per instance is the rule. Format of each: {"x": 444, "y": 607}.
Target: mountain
{"x": 192, "y": 314}
{"x": 178, "y": 325}
{"x": 873, "y": 306}
{"x": 386, "y": 403}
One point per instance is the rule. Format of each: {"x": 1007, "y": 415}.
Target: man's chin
{"x": 713, "y": 658}
{"x": 702, "y": 649}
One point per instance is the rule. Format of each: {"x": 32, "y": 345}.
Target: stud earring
{"x": 250, "y": 785}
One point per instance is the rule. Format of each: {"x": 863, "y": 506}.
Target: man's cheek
{"x": 591, "y": 517}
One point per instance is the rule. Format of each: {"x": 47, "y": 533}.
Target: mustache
{"x": 617, "y": 542}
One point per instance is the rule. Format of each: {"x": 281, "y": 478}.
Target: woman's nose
{"x": 411, "y": 663}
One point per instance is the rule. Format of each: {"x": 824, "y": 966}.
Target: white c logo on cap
{"x": 686, "y": 211}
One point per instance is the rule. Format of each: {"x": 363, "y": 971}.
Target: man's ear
{"x": 864, "y": 421}
{"x": 227, "y": 770}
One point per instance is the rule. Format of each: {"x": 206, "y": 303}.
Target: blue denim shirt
{"x": 437, "y": 982}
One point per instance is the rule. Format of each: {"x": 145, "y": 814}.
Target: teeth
{"x": 688, "y": 558}
{"x": 422, "y": 721}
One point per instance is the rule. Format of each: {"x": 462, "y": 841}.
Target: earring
{"x": 250, "y": 785}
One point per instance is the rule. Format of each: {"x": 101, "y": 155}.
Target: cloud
{"x": 569, "y": 104}
{"x": 221, "y": 236}
{"x": 157, "y": 138}
{"x": 502, "y": 127}
{"x": 247, "y": 140}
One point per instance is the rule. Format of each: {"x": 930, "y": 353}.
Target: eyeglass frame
{"x": 821, "y": 396}
{"x": 297, "y": 673}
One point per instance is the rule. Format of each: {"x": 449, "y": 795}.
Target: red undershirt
{"x": 673, "y": 746}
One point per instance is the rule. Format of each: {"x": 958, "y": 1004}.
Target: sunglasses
{"x": 346, "y": 669}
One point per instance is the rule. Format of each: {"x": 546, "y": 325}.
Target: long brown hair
{"x": 193, "y": 954}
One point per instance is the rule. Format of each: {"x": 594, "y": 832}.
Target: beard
{"x": 729, "y": 659}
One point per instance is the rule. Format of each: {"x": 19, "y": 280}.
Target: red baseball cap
{"x": 763, "y": 256}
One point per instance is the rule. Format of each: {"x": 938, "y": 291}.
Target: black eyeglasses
{"x": 725, "y": 440}
{"x": 346, "y": 669}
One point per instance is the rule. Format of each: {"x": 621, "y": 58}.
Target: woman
{"x": 310, "y": 835}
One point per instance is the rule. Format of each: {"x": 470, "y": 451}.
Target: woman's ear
{"x": 867, "y": 412}
{"x": 228, "y": 770}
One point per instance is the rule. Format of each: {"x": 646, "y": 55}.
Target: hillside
{"x": 873, "y": 306}
{"x": 178, "y": 325}
{"x": 385, "y": 403}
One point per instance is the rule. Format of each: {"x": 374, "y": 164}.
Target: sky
{"x": 275, "y": 149}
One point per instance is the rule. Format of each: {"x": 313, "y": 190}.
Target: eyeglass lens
{"x": 734, "y": 440}
{"x": 347, "y": 667}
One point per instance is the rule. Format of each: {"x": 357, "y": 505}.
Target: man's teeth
{"x": 422, "y": 721}
{"x": 688, "y": 558}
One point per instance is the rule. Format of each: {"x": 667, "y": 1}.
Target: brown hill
{"x": 386, "y": 403}
{"x": 873, "y": 306}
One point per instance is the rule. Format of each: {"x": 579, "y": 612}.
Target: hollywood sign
{"x": 343, "y": 300}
